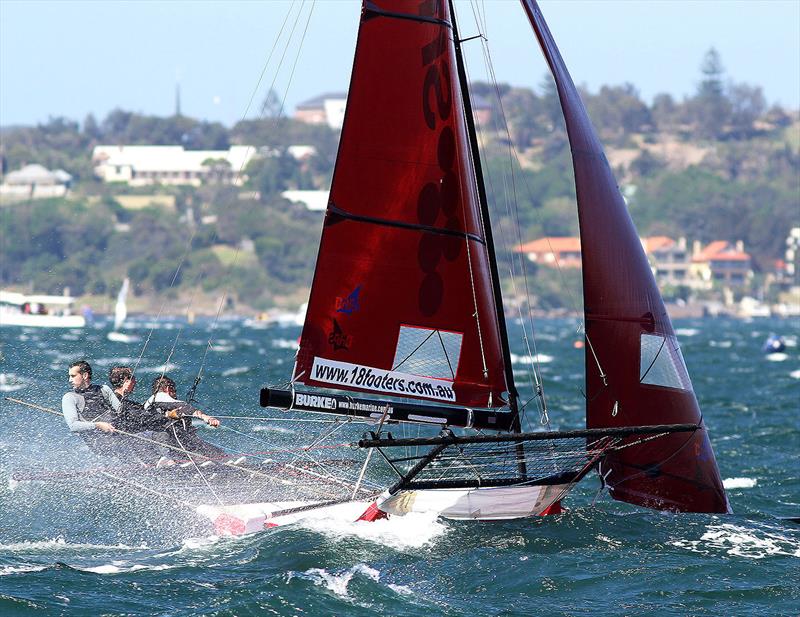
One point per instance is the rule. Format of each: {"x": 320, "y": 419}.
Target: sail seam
{"x": 371, "y": 10}
{"x": 415, "y": 226}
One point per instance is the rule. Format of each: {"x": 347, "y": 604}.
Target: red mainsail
{"x": 635, "y": 374}
{"x": 402, "y": 301}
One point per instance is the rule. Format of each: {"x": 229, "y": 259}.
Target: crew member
{"x": 181, "y": 434}
{"x": 88, "y": 409}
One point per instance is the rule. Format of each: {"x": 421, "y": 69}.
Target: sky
{"x": 71, "y": 58}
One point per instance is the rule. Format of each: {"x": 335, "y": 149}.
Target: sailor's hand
{"x": 210, "y": 420}
{"x": 104, "y": 426}
{"x": 172, "y": 414}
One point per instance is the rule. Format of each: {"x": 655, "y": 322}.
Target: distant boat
{"x": 38, "y": 311}
{"x": 120, "y": 314}
{"x": 283, "y": 319}
{"x": 774, "y": 344}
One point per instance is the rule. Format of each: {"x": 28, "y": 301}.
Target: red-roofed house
{"x": 563, "y": 252}
{"x": 669, "y": 260}
{"x": 721, "y": 262}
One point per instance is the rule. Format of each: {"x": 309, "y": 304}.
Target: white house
{"x": 35, "y": 182}
{"x": 146, "y": 165}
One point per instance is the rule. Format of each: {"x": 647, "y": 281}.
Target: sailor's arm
{"x": 69, "y": 407}
{"x": 111, "y": 398}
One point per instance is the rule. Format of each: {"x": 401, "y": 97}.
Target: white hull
{"x": 484, "y": 504}
{"x": 42, "y": 321}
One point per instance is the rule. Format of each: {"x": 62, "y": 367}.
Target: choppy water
{"x": 68, "y": 549}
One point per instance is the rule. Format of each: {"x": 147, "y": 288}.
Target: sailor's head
{"x": 80, "y": 374}
{"x": 164, "y": 384}
{"x": 122, "y": 379}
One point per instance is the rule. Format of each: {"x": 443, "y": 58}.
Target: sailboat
{"x": 120, "y": 314}
{"x": 406, "y": 310}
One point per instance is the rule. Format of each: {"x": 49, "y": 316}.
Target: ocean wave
{"x": 730, "y": 483}
{"x": 236, "y": 370}
{"x": 161, "y": 368}
{"x": 10, "y": 382}
{"x": 539, "y": 358}
{"x": 740, "y": 541}
{"x": 6, "y": 570}
{"x": 337, "y": 583}
{"x": 412, "y": 531}
{"x": 60, "y": 544}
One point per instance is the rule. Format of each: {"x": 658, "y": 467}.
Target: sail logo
{"x": 337, "y": 338}
{"x": 349, "y": 304}
{"x": 315, "y": 401}
{"x": 374, "y": 379}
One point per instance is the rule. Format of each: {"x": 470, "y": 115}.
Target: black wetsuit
{"x": 181, "y": 434}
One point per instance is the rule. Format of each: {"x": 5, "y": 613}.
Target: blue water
{"x": 74, "y": 549}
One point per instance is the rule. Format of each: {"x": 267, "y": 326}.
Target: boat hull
{"x": 483, "y": 504}
{"x": 42, "y": 321}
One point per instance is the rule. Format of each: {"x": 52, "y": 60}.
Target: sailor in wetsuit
{"x": 88, "y": 409}
{"x": 132, "y": 417}
{"x": 181, "y": 434}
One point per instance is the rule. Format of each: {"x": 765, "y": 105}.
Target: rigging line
{"x": 415, "y": 350}
{"x": 297, "y": 57}
{"x": 283, "y": 56}
{"x": 446, "y": 355}
{"x": 197, "y": 468}
{"x": 513, "y": 213}
{"x": 535, "y": 380}
{"x": 164, "y": 302}
{"x": 266, "y": 64}
{"x": 369, "y": 454}
{"x": 655, "y": 357}
{"x": 149, "y": 490}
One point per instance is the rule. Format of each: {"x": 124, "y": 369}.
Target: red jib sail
{"x": 635, "y": 372}
{"x": 401, "y": 301}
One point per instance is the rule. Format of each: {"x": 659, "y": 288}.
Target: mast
{"x": 487, "y": 227}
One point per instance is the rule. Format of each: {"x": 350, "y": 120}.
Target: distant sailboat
{"x": 120, "y": 314}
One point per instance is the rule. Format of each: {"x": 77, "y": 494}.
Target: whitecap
{"x": 163, "y": 368}
{"x": 739, "y": 541}
{"x": 403, "y": 590}
{"x": 60, "y": 543}
{"x": 282, "y": 343}
{"x": 236, "y": 370}
{"x": 539, "y": 358}
{"x": 687, "y": 331}
{"x": 721, "y": 344}
{"x": 6, "y": 570}
{"x": 777, "y": 357}
{"x": 337, "y": 583}
{"x": 411, "y": 531}
{"x": 795, "y": 374}
{"x": 271, "y": 429}
{"x": 730, "y": 483}
{"x": 104, "y": 569}
{"x": 222, "y": 348}
{"x": 10, "y": 382}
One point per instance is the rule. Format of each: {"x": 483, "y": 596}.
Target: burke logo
{"x": 349, "y": 304}
{"x": 338, "y": 339}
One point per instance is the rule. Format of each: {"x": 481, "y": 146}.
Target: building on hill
{"x": 720, "y": 262}
{"x": 669, "y": 260}
{"x": 173, "y": 165}
{"x": 323, "y": 109}
{"x": 35, "y": 182}
{"x": 329, "y": 109}
{"x": 554, "y": 252}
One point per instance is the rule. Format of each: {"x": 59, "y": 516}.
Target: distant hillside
{"x": 721, "y": 164}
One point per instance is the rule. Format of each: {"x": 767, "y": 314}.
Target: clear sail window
{"x": 427, "y": 352}
{"x": 661, "y": 363}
